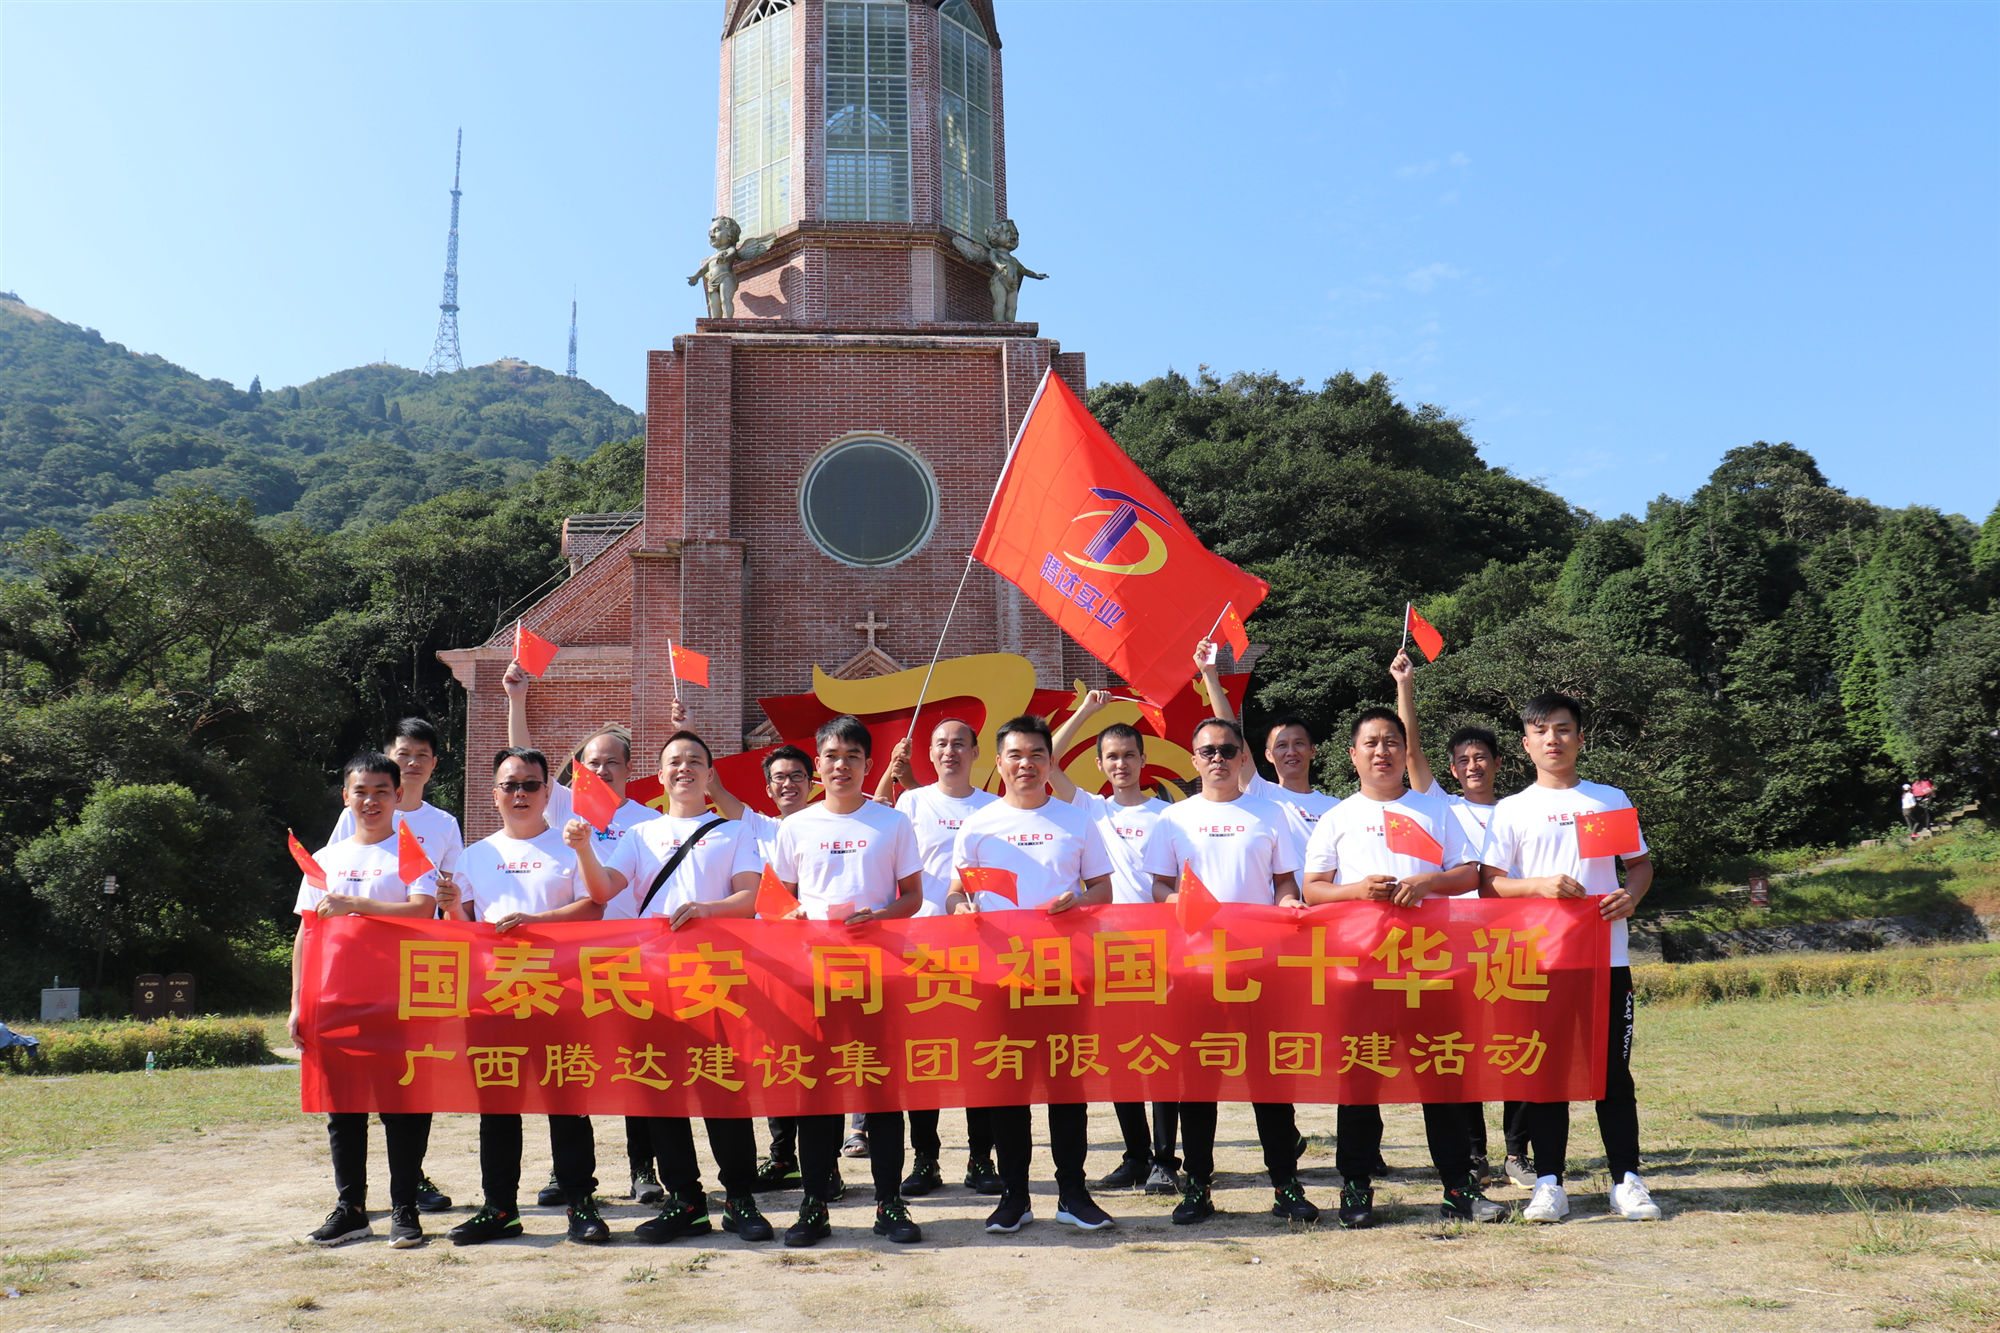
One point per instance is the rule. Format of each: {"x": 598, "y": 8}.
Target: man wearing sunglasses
{"x": 1241, "y": 848}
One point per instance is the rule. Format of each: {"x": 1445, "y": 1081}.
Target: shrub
{"x": 176, "y": 1043}
{"x": 1960, "y": 974}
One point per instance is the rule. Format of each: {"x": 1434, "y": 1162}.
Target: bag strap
{"x": 674, "y": 861}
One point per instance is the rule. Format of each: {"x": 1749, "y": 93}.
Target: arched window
{"x": 968, "y": 119}
{"x": 867, "y": 111}
{"x": 760, "y": 119}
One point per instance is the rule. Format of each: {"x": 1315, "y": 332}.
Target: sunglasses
{"x": 528, "y": 785}
{"x": 1229, "y": 751}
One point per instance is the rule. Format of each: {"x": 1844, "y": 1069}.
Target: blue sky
{"x": 1617, "y": 239}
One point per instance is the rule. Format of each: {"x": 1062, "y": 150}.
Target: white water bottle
{"x": 149, "y": 1062}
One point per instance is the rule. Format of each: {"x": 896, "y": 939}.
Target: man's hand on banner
{"x": 1381, "y": 888}
{"x": 685, "y": 913}
{"x": 1062, "y": 902}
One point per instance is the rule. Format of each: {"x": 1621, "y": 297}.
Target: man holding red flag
{"x": 1563, "y": 838}
{"x": 1055, "y": 858}
{"x": 1241, "y": 848}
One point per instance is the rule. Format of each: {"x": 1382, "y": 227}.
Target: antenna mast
{"x": 444, "y": 352}
{"x": 572, "y": 335}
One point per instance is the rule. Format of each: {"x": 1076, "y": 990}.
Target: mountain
{"x": 88, "y": 426}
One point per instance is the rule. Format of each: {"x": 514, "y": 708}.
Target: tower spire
{"x": 572, "y": 335}
{"x": 444, "y": 352}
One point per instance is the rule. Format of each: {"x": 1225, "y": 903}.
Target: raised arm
{"x": 1205, "y": 658}
{"x": 1093, "y": 703}
{"x": 1414, "y": 761}
{"x": 515, "y": 683}
{"x": 722, "y": 798}
{"x": 898, "y": 769}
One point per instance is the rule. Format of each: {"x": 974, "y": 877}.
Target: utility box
{"x": 59, "y": 1003}
{"x": 149, "y": 996}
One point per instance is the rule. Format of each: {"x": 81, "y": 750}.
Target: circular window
{"x": 868, "y": 501}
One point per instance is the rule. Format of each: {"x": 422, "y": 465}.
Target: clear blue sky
{"x": 1618, "y": 239}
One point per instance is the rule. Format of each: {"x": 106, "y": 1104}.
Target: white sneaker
{"x": 1550, "y": 1204}
{"x": 1630, "y": 1200}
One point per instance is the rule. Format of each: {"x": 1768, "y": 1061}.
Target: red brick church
{"x": 817, "y": 466}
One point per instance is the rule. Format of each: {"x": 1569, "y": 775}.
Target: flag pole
{"x": 1218, "y": 620}
{"x": 1406, "y": 629}
{"x": 926, "y": 689}
{"x": 674, "y": 670}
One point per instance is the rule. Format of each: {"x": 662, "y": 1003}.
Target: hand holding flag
{"x": 774, "y": 903}
{"x": 307, "y": 866}
{"x": 412, "y": 861}
{"x": 990, "y": 879}
{"x": 1196, "y": 906}
{"x": 1406, "y": 837}
{"x": 591, "y": 797}
{"x": 1608, "y": 833}
{"x": 531, "y": 650}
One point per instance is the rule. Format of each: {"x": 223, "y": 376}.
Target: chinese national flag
{"x": 1196, "y": 906}
{"x": 1421, "y": 630}
{"x": 1406, "y": 837}
{"x": 412, "y": 861}
{"x": 689, "y": 665}
{"x": 1156, "y": 717}
{"x": 1234, "y": 633}
{"x": 772, "y": 900}
{"x": 1095, "y": 544}
{"x": 531, "y": 650}
{"x": 307, "y": 866}
{"x": 1608, "y": 833}
{"x": 593, "y": 801}
{"x": 989, "y": 879}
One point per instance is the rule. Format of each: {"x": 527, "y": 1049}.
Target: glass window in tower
{"x": 760, "y": 119}
{"x": 967, "y": 131}
{"x": 867, "y": 111}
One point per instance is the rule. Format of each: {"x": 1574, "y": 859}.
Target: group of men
{"x": 898, "y": 851}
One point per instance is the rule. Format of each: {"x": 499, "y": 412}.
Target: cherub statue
{"x": 718, "y": 274}
{"x": 998, "y": 255}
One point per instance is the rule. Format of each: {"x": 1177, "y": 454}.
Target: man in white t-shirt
{"x": 363, "y": 876}
{"x": 715, "y": 866}
{"x": 1241, "y": 848}
{"x": 1058, "y": 861}
{"x": 1531, "y": 852}
{"x": 1124, "y": 821}
{"x": 1375, "y": 847}
{"x": 1288, "y": 749}
{"x": 938, "y": 812}
{"x": 530, "y": 874}
{"x": 854, "y": 860}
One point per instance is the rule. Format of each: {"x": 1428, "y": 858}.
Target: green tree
{"x": 1918, "y": 575}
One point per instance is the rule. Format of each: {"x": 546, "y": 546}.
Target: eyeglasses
{"x": 528, "y": 785}
{"x": 788, "y": 779}
{"x": 1229, "y": 751}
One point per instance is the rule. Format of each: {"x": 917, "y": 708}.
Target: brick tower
{"x": 818, "y": 465}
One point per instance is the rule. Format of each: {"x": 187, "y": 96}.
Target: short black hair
{"x": 1472, "y": 736}
{"x": 848, "y": 728}
{"x": 1121, "y": 731}
{"x": 1283, "y": 720}
{"x": 1026, "y": 725}
{"x": 784, "y": 752}
{"x": 526, "y": 756}
{"x": 372, "y": 761}
{"x": 1367, "y": 715}
{"x": 1225, "y": 724}
{"x": 1547, "y": 704}
{"x": 685, "y": 735}
{"x": 419, "y": 730}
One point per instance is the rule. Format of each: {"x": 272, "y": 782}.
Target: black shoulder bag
{"x": 674, "y": 862}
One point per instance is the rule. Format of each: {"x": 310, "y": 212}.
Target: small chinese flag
{"x": 1406, "y": 837}
{"x": 689, "y": 665}
{"x": 412, "y": 861}
{"x": 1608, "y": 833}
{"x": 531, "y": 650}
{"x": 1196, "y": 906}
{"x": 1155, "y": 716}
{"x": 309, "y": 867}
{"x": 591, "y": 798}
{"x": 991, "y": 879}
{"x": 773, "y": 901}
{"x": 1421, "y": 630}
{"x": 1233, "y": 632}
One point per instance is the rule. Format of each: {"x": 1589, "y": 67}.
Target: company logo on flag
{"x": 1608, "y": 833}
{"x": 1406, "y": 837}
{"x": 1120, "y": 522}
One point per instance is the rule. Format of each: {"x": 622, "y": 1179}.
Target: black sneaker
{"x": 342, "y": 1225}
{"x": 981, "y": 1178}
{"x": 856, "y": 1145}
{"x": 1083, "y": 1214}
{"x": 775, "y": 1173}
{"x": 924, "y": 1178}
{"x": 836, "y": 1188}
{"x": 1130, "y": 1175}
{"x": 404, "y": 1233}
{"x": 552, "y": 1195}
{"x": 487, "y": 1224}
{"x": 1519, "y": 1173}
{"x": 586, "y": 1227}
{"x": 1357, "y": 1205}
{"x": 1380, "y": 1169}
{"x": 1469, "y": 1205}
{"x": 646, "y": 1187}
{"x": 1010, "y": 1216}
{"x": 1162, "y": 1181}
{"x": 681, "y": 1217}
{"x": 740, "y": 1215}
{"x": 812, "y": 1226}
{"x": 1482, "y": 1172}
{"x": 431, "y": 1199}
{"x": 1195, "y": 1205}
{"x": 892, "y": 1219}
{"x": 1289, "y": 1202}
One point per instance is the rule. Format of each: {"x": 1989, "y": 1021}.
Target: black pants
{"x": 924, "y": 1140}
{"x": 571, "y": 1143}
{"x": 1547, "y": 1123}
{"x": 639, "y": 1152}
{"x": 784, "y": 1138}
{"x": 1069, "y": 1143}
{"x": 1358, "y": 1141}
{"x": 819, "y": 1152}
{"x": 1510, "y": 1128}
{"x": 405, "y": 1135}
{"x": 734, "y": 1143}
{"x": 1277, "y": 1132}
{"x": 1155, "y": 1144}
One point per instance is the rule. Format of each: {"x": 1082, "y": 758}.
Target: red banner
{"x": 1457, "y": 1000}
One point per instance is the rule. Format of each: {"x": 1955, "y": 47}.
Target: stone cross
{"x": 871, "y": 625}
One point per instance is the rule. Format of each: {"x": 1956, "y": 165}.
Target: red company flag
{"x": 1406, "y": 837}
{"x": 1196, "y": 906}
{"x": 773, "y": 901}
{"x": 531, "y": 650}
{"x": 1422, "y": 631}
{"x": 593, "y": 801}
{"x": 307, "y": 866}
{"x": 990, "y": 879}
{"x": 1608, "y": 833}
{"x": 690, "y": 666}
{"x": 1234, "y": 633}
{"x": 412, "y": 861}
{"x": 1101, "y": 550}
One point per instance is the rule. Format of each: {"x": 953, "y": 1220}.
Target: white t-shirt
{"x": 704, "y": 874}
{"x": 852, "y": 860}
{"x": 1236, "y": 847}
{"x": 437, "y": 832}
{"x": 502, "y": 874}
{"x": 1352, "y": 842}
{"x": 1533, "y": 833}
{"x": 1051, "y": 849}
{"x": 1124, "y": 829}
{"x": 362, "y": 870}
{"x": 1472, "y": 822}
{"x": 763, "y": 829}
{"x": 937, "y": 819}
{"x": 1909, "y": 801}
{"x": 1302, "y": 809}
